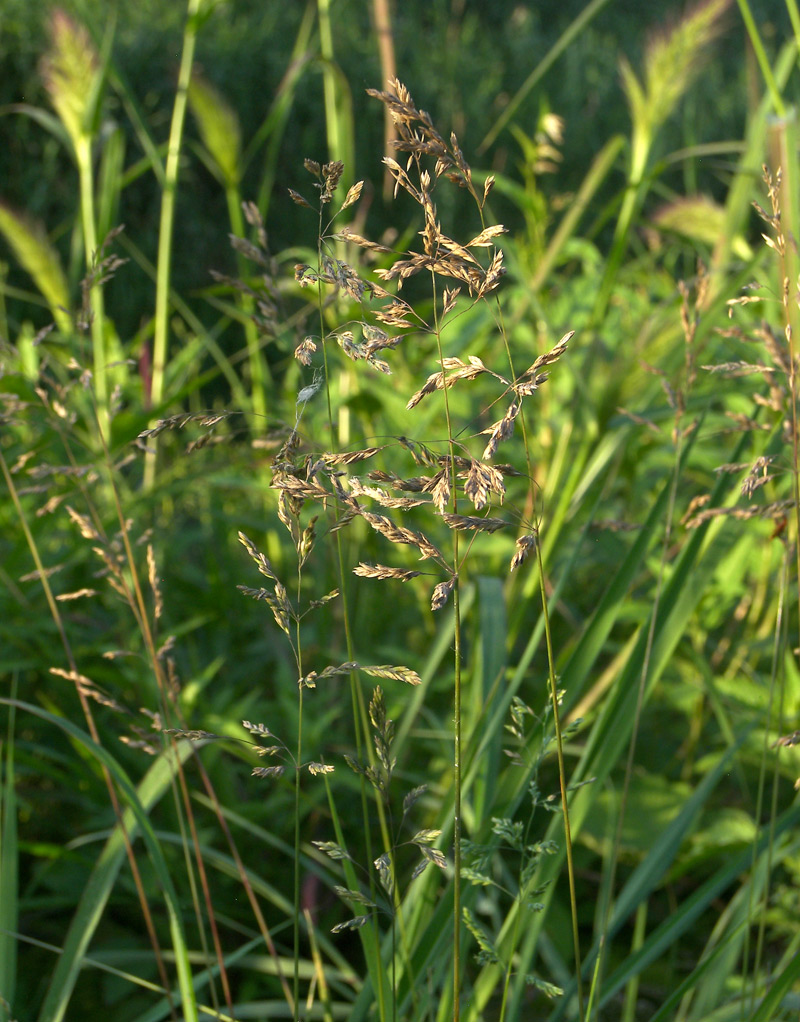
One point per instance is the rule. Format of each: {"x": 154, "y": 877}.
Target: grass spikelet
{"x": 351, "y": 457}
{"x": 481, "y": 481}
{"x": 467, "y": 522}
{"x": 439, "y": 488}
{"x": 381, "y": 571}
{"x": 261, "y": 561}
{"x": 155, "y": 588}
{"x": 404, "y": 674}
{"x": 500, "y": 431}
{"x": 441, "y": 593}
{"x": 524, "y": 545}
{"x": 398, "y": 534}
{"x": 383, "y": 498}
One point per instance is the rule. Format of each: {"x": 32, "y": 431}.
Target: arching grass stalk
{"x": 562, "y": 774}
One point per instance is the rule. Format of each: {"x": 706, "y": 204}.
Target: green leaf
{"x": 219, "y": 128}
{"x": 384, "y": 867}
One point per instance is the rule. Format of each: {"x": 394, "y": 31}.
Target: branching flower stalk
{"x": 442, "y": 256}
{"x": 333, "y": 273}
{"x": 321, "y": 477}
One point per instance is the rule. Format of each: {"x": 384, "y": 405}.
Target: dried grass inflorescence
{"x": 321, "y": 492}
{"x": 450, "y": 477}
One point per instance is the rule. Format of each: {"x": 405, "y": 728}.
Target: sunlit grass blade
{"x": 485, "y": 691}
{"x": 655, "y": 866}
{"x": 692, "y": 907}
{"x": 167, "y": 218}
{"x": 29, "y": 242}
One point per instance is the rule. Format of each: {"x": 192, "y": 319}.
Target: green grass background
{"x": 684, "y": 638}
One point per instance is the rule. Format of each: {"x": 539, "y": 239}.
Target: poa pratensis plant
{"x": 457, "y": 489}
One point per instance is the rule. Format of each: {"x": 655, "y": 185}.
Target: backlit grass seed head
{"x": 672, "y": 62}
{"x": 69, "y": 71}
{"x": 30, "y": 244}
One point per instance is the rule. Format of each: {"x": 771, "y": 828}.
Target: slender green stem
{"x": 247, "y": 304}
{"x": 761, "y": 56}
{"x": 456, "y": 790}
{"x": 561, "y": 44}
{"x": 794, "y": 17}
{"x": 83, "y": 155}
{"x": 339, "y": 145}
{"x": 297, "y": 768}
{"x": 167, "y": 220}
{"x": 457, "y": 751}
{"x": 562, "y": 777}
